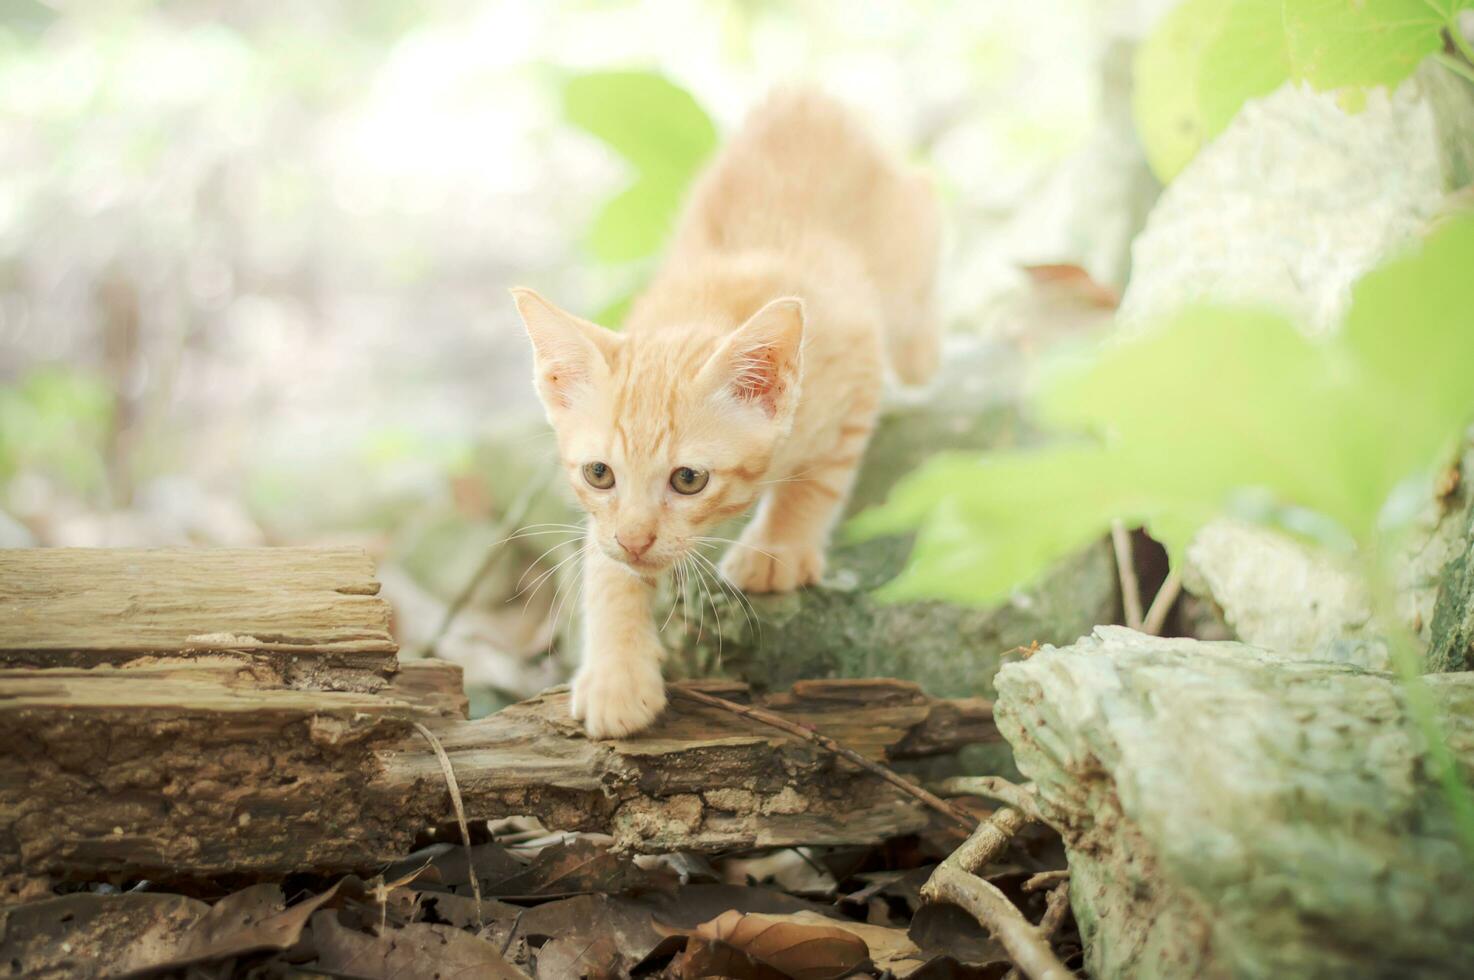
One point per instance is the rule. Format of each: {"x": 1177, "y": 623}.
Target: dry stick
{"x": 956, "y": 813}
{"x": 1156, "y": 616}
{"x": 1126, "y": 571}
{"x": 504, "y": 530}
{"x": 1057, "y": 905}
{"x": 955, "y": 883}
{"x": 460, "y": 809}
{"x": 1044, "y": 879}
{"x": 996, "y": 788}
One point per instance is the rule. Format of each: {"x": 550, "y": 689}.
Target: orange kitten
{"x": 749, "y": 371}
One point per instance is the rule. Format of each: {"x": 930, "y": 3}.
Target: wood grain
{"x": 307, "y": 608}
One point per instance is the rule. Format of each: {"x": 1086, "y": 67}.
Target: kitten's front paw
{"x": 776, "y": 568}
{"x": 617, "y": 697}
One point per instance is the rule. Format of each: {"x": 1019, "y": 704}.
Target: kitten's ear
{"x": 570, "y": 353}
{"x": 761, "y": 363}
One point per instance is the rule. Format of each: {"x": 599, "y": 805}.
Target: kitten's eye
{"x": 688, "y": 481}
{"x": 598, "y": 475}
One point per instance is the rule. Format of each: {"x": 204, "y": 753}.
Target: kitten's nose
{"x": 635, "y": 545}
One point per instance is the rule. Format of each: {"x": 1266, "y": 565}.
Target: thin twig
{"x": 1055, "y": 908}
{"x": 989, "y": 839}
{"x": 955, "y": 813}
{"x": 503, "y": 533}
{"x": 1054, "y": 912}
{"x": 1044, "y": 879}
{"x": 460, "y": 809}
{"x": 1156, "y": 616}
{"x": 1126, "y": 572}
{"x": 996, "y": 788}
{"x": 955, "y": 883}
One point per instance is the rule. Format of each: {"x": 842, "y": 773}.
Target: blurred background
{"x": 254, "y": 257}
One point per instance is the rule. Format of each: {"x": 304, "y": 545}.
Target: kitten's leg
{"x": 782, "y": 547}
{"x": 618, "y": 688}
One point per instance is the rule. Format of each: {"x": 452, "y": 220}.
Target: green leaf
{"x": 661, "y": 131}
{"x": 654, "y": 124}
{"x": 1169, "y": 117}
{"x": 1209, "y": 57}
{"x": 1197, "y": 69}
{"x": 634, "y": 222}
{"x": 1336, "y": 44}
{"x": 1211, "y": 403}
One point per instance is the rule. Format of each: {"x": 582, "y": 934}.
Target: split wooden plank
{"x": 106, "y": 779}
{"x": 311, "y": 611}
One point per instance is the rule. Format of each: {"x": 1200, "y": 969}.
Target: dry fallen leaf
{"x": 766, "y": 947}
{"x": 129, "y": 935}
{"x": 418, "y": 951}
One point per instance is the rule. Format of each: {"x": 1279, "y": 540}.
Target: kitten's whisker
{"x": 537, "y": 584}
{"x": 675, "y": 584}
{"x": 537, "y": 561}
{"x": 701, "y": 580}
{"x": 556, "y": 604}
{"x": 749, "y": 613}
{"x": 742, "y": 544}
{"x": 790, "y": 478}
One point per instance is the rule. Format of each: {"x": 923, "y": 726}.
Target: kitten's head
{"x": 664, "y": 436}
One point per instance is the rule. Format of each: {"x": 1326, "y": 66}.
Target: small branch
{"x": 1126, "y": 571}
{"x": 996, "y": 788}
{"x": 1156, "y": 616}
{"x": 1044, "y": 879}
{"x": 989, "y": 840}
{"x": 1054, "y": 912}
{"x": 1054, "y": 915}
{"x": 955, "y": 883}
{"x": 953, "y": 812}
{"x": 504, "y": 531}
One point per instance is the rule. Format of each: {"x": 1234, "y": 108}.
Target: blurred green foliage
{"x": 664, "y": 135}
{"x": 1208, "y": 57}
{"x": 1214, "y": 402}
{"x": 55, "y": 422}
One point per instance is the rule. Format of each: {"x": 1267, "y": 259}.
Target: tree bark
{"x": 1231, "y": 812}
{"x": 311, "y": 614}
{"x": 205, "y": 767}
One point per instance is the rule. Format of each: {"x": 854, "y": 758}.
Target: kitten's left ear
{"x": 571, "y": 353}
{"x": 761, "y": 363}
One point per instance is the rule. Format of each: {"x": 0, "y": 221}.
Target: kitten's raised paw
{"x": 776, "y": 568}
{"x": 619, "y": 698}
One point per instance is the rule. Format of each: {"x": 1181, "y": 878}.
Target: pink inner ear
{"x": 759, "y": 378}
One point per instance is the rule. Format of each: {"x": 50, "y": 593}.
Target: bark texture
{"x": 1231, "y": 812}
{"x": 204, "y": 767}
{"x": 312, "y": 614}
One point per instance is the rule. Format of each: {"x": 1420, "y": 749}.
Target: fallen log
{"x": 311, "y": 614}
{"x": 184, "y": 714}
{"x": 1232, "y": 812}
{"x": 195, "y": 768}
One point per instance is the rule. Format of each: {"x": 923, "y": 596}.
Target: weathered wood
{"x": 1232, "y": 812}
{"x": 314, "y": 613}
{"x": 200, "y": 767}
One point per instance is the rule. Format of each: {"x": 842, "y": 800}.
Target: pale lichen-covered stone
{"x": 1231, "y": 812}
{"x": 1298, "y": 198}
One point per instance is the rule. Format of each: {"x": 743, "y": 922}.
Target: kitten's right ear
{"x": 570, "y": 352}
